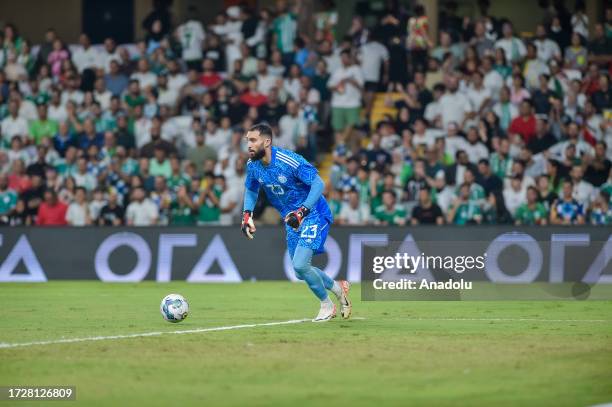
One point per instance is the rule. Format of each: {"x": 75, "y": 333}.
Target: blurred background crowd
{"x": 474, "y": 123}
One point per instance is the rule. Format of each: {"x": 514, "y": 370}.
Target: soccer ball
{"x": 174, "y": 308}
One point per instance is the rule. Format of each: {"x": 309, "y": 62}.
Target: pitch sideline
{"x": 146, "y": 334}
{"x": 289, "y": 322}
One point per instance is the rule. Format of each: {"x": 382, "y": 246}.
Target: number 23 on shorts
{"x": 309, "y": 232}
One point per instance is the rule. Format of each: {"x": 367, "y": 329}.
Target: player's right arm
{"x": 250, "y": 199}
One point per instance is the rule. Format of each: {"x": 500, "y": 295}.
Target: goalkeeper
{"x": 295, "y": 189}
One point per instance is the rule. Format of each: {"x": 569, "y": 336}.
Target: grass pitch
{"x": 400, "y": 353}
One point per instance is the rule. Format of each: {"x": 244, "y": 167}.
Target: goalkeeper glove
{"x": 248, "y": 227}
{"x": 295, "y": 218}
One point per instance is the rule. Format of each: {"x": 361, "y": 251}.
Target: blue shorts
{"x": 311, "y": 234}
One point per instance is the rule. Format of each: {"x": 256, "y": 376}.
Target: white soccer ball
{"x": 174, "y": 308}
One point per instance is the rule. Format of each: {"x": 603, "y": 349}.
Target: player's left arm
{"x": 309, "y": 176}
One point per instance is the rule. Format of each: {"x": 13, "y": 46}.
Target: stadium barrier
{"x": 222, "y": 254}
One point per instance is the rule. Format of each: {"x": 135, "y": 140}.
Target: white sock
{"x": 327, "y": 302}
{"x": 336, "y": 289}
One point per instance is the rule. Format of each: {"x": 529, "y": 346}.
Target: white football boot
{"x": 326, "y": 313}
{"x": 346, "y": 307}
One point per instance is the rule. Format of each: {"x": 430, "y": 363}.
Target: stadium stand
{"x": 486, "y": 127}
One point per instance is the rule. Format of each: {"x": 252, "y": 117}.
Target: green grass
{"x": 401, "y": 353}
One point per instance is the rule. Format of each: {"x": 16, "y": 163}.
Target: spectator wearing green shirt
{"x": 159, "y": 165}
{"x": 102, "y": 122}
{"x": 532, "y": 212}
{"x": 501, "y": 162}
{"x": 208, "y": 201}
{"x": 363, "y": 185}
{"x": 177, "y": 177}
{"x": 8, "y": 199}
{"x": 463, "y": 211}
{"x": 284, "y": 28}
{"x": 133, "y": 96}
{"x": 43, "y": 127}
{"x": 182, "y": 210}
{"x": 477, "y": 192}
{"x": 389, "y": 213}
{"x": 335, "y": 202}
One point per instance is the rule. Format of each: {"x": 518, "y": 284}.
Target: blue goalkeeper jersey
{"x": 286, "y": 181}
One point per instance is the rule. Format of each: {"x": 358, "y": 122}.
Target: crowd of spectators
{"x": 490, "y": 127}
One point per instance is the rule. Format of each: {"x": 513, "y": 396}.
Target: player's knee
{"x": 301, "y": 267}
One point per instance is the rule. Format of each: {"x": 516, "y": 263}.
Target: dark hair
{"x": 390, "y": 191}
{"x": 439, "y": 87}
{"x": 299, "y": 42}
{"x": 263, "y": 128}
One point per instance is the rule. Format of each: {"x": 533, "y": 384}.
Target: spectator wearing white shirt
{"x": 27, "y": 108}
{"x": 56, "y": 110}
{"x": 109, "y": 54}
{"x": 229, "y": 27}
{"x": 142, "y": 211}
{"x": 72, "y": 92}
{"x": 13, "y": 124}
{"x": 475, "y": 148}
{"x": 165, "y": 95}
{"x": 292, "y": 84}
{"x": 423, "y": 135}
{"x": 229, "y": 201}
{"x": 535, "y": 164}
{"x": 265, "y": 81}
{"x": 142, "y": 127}
{"x": 291, "y": 127}
{"x": 331, "y": 56}
{"x": 78, "y": 211}
{"x": 453, "y": 141}
{"x": 176, "y": 79}
{"x": 353, "y": 212}
{"x": 583, "y": 191}
{"x": 373, "y": 55}
{"x": 432, "y": 110}
{"x": 547, "y": 48}
{"x": 191, "y": 35}
{"x": 249, "y": 62}
{"x": 558, "y": 151}
{"x": 84, "y": 178}
{"x": 534, "y": 67}
{"x": 86, "y": 56}
{"x": 215, "y": 139}
{"x": 143, "y": 75}
{"x": 454, "y": 106}
{"x": 478, "y": 94}
{"x": 514, "y": 194}
{"x": 513, "y": 47}
{"x": 346, "y": 84}
{"x": 580, "y": 21}
{"x": 492, "y": 79}
{"x": 101, "y": 94}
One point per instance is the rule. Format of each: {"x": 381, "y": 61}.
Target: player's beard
{"x": 259, "y": 154}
